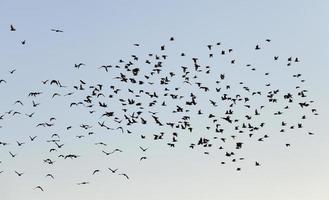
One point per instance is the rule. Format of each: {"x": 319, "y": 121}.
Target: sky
{"x": 103, "y": 32}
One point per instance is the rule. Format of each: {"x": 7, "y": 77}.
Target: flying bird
{"x": 125, "y": 175}
{"x": 12, "y": 28}
{"x": 39, "y": 187}
{"x": 57, "y": 30}
{"x": 113, "y": 170}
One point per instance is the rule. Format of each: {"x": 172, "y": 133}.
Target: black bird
{"x": 12, "y": 155}
{"x": 143, "y": 148}
{"x": 107, "y": 153}
{"x": 78, "y": 65}
{"x": 125, "y": 175}
{"x": 57, "y": 30}
{"x": 106, "y": 67}
{"x": 100, "y": 143}
{"x": 32, "y": 138}
{"x": 96, "y": 171}
{"x": 50, "y": 175}
{"x": 113, "y": 170}
{"x": 83, "y": 183}
{"x": 30, "y": 115}
{"x": 12, "y": 28}
{"x": 143, "y": 158}
{"x": 39, "y": 187}
{"x": 18, "y": 102}
{"x": 20, "y": 143}
{"x": 19, "y": 174}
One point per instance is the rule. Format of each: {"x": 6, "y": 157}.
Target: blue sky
{"x": 102, "y": 32}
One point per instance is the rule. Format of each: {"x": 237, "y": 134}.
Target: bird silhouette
{"x": 83, "y": 183}
{"x": 143, "y": 158}
{"x": 57, "y": 30}
{"x": 96, "y": 171}
{"x": 50, "y": 175}
{"x": 18, "y": 173}
{"x": 12, "y": 155}
{"x": 12, "y": 28}
{"x": 143, "y": 149}
{"x": 78, "y": 66}
{"x": 113, "y": 170}
{"x": 39, "y": 187}
{"x": 125, "y": 175}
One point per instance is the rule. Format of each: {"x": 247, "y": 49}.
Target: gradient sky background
{"x": 101, "y": 32}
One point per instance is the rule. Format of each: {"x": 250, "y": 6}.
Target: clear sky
{"x": 103, "y": 32}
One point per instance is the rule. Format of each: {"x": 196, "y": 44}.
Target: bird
{"x": 55, "y": 94}
{"x": 39, "y": 187}
{"x": 19, "y": 102}
{"x": 19, "y": 174}
{"x": 78, "y": 65}
{"x": 106, "y": 67}
{"x": 20, "y": 143}
{"x": 113, "y": 170}
{"x": 30, "y": 115}
{"x": 32, "y": 138}
{"x": 12, "y": 28}
{"x": 12, "y": 155}
{"x": 50, "y": 175}
{"x": 107, "y": 153}
{"x": 57, "y": 30}
{"x": 143, "y": 158}
{"x": 83, "y": 183}
{"x": 12, "y": 71}
{"x": 143, "y": 149}
{"x": 101, "y": 143}
{"x": 125, "y": 175}
{"x": 96, "y": 171}
{"x": 44, "y": 82}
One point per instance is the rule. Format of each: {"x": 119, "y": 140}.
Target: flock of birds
{"x": 144, "y": 91}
